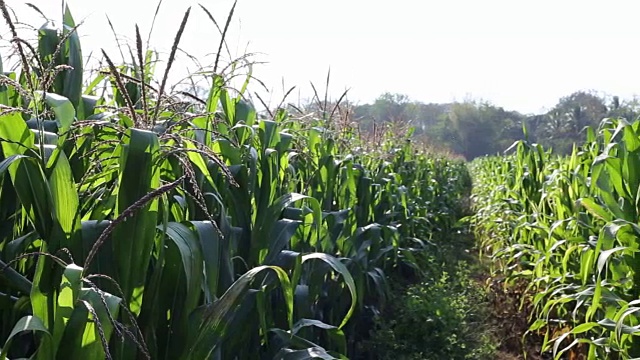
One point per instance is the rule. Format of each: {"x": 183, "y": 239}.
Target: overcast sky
{"x": 522, "y": 55}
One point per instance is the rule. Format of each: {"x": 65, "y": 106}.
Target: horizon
{"x": 524, "y": 59}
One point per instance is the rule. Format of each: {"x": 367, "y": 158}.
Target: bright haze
{"x": 520, "y": 55}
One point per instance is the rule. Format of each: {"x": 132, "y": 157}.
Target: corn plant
{"x": 141, "y": 222}
{"x": 567, "y": 227}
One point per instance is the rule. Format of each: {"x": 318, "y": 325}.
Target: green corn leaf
{"x": 217, "y": 259}
{"x": 63, "y": 109}
{"x": 336, "y": 335}
{"x": 214, "y": 93}
{"x": 209, "y": 323}
{"x": 595, "y": 209}
{"x": 82, "y": 337}
{"x": 64, "y": 195}
{"x": 133, "y": 239}
{"x": 27, "y": 174}
{"x": 73, "y": 55}
{"x": 66, "y": 302}
{"x": 279, "y": 238}
{"x": 348, "y": 279}
{"x": 27, "y": 323}
{"x": 305, "y": 354}
{"x": 583, "y": 327}
{"x": 189, "y": 248}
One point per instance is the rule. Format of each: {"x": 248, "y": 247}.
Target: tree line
{"x": 474, "y": 128}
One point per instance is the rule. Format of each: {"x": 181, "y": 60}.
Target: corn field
{"x": 138, "y": 221}
{"x": 565, "y": 231}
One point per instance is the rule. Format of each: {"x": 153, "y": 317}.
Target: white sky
{"x": 522, "y": 55}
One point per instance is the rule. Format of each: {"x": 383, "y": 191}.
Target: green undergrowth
{"x": 441, "y": 312}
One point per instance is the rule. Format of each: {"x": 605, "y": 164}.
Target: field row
{"x": 139, "y": 221}
{"x": 564, "y": 230}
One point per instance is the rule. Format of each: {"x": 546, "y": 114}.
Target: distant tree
{"x": 393, "y": 108}
{"x": 482, "y": 128}
{"x": 474, "y": 128}
{"x": 388, "y": 108}
{"x": 627, "y": 109}
{"x": 428, "y": 117}
{"x": 564, "y": 123}
{"x": 470, "y": 128}
{"x": 363, "y": 114}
